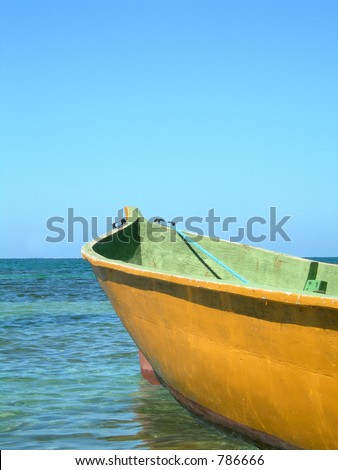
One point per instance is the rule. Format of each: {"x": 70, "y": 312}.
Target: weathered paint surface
{"x": 263, "y": 358}
{"x": 209, "y": 415}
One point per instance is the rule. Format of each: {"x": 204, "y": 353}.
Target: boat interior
{"x": 161, "y": 248}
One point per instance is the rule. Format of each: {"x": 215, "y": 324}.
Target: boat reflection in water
{"x": 157, "y": 422}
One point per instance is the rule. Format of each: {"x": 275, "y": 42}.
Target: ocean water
{"x": 69, "y": 374}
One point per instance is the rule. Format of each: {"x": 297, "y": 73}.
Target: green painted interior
{"x": 161, "y": 248}
{"x": 123, "y": 245}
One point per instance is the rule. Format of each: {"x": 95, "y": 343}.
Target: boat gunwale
{"x": 246, "y": 290}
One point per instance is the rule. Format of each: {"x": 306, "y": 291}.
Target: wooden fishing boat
{"x": 255, "y": 353}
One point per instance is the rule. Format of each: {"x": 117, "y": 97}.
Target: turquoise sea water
{"x": 69, "y": 376}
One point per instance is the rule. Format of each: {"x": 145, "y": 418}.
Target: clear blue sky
{"x": 174, "y": 106}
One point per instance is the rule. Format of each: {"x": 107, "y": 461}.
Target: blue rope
{"x": 191, "y": 242}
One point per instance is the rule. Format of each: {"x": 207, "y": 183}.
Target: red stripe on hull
{"x": 146, "y": 370}
{"x": 212, "y": 416}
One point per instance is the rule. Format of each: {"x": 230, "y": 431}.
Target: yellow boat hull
{"x": 259, "y": 362}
